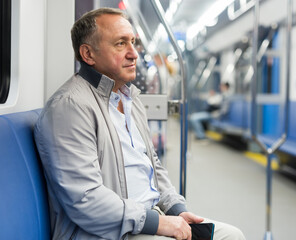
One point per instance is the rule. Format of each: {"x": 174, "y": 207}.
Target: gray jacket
{"x": 83, "y": 163}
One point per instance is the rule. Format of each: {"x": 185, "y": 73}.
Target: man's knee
{"x": 147, "y": 237}
{"x": 236, "y": 234}
{"x": 224, "y": 231}
{"x": 228, "y": 232}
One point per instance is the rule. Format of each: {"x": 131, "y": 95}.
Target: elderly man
{"x": 104, "y": 179}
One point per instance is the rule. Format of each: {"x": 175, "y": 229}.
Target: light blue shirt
{"x": 138, "y": 167}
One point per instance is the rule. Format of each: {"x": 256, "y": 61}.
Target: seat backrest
{"x": 23, "y": 197}
{"x": 237, "y": 111}
{"x": 292, "y": 122}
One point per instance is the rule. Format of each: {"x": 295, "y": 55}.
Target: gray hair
{"x": 85, "y": 28}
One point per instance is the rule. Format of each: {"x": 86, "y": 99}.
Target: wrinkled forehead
{"x": 114, "y": 25}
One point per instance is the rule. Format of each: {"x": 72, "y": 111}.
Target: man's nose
{"x": 132, "y": 52}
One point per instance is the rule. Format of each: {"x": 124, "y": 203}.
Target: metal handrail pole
{"x": 254, "y": 65}
{"x": 268, "y": 235}
{"x": 288, "y": 63}
{"x": 280, "y": 141}
{"x": 160, "y": 13}
{"x": 283, "y": 138}
{"x": 270, "y": 150}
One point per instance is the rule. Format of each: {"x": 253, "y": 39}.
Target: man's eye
{"x": 120, "y": 43}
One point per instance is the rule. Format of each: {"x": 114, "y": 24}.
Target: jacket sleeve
{"x": 66, "y": 139}
{"x": 170, "y": 201}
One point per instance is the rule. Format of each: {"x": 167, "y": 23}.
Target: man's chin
{"x": 131, "y": 78}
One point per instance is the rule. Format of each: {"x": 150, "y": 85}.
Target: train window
{"x": 5, "y": 50}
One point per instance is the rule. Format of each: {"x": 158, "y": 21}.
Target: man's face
{"x": 116, "y": 55}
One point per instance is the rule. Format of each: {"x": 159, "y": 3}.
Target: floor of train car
{"x": 223, "y": 184}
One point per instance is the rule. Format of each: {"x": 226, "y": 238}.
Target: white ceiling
{"x": 189, "y": 11}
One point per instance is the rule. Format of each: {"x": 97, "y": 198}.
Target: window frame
{"x": 5, "y": 50}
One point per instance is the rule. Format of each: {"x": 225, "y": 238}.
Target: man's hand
{"x": 191, "y": 218}
{"x": 174, "y": 226}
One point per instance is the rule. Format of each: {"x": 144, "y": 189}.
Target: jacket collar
{"x": 99, "y": 81}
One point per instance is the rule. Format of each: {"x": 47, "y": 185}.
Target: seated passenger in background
{"x": 217, "y": 106}
{"x": 104, "y": 179}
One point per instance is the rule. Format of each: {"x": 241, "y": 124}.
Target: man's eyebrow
{"x": 126, "y": 38}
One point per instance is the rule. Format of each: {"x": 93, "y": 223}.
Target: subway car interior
{"x": 217, "y": 80}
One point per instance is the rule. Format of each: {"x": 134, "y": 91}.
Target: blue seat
{"x": 235, "y": 121}
{"x": 289, "y": 145}
{"x": 23, "y": 197}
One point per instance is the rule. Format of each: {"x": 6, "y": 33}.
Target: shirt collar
{"x": 125, "y": 90}
{"x": 115, "y": 97}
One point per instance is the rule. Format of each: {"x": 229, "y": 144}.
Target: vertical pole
{"x": 254, "y": 65}
{"x": 183, "y": 103}
{"x": 268, "y": 235}
{"x": 288, "y": 62}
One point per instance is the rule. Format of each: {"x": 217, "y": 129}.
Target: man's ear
{"x": 86, "y": 54}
